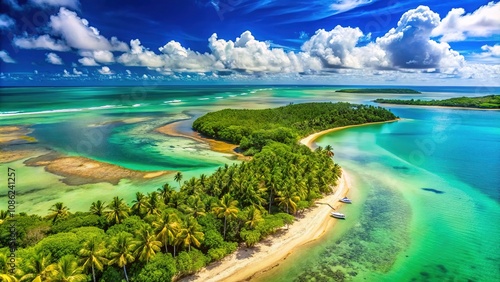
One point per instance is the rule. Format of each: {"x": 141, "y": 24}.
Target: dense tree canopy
{"x": 253, "y": 129}
{"x": 484, "y": 102}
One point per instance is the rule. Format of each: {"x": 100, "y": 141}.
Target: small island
{"x": 380, "y": 90}
{"x": 484, "y": 102}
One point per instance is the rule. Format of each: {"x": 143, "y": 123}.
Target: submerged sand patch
{"x": 15, "y": 135}
{"x": 81, "y": 170}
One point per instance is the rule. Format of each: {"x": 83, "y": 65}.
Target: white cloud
{"x": 4, "y": 56}
{"x": 76, "y": 72}
{"x": 105, "y": 70}
{"x": 88, "y": 62}
{"x": 409, "y": 44}
{"x": 54, "y": 59}
{"x": 99, "y": 56}
{"x": 340, "y": 6}
{"x": 250, "y": 55}
{"x": 491, "y": 51}
{"x": 140, "y": 56}
{"x": 458, "y": 26}
{"x": 6, "y": 22}
{"x": 78, "y": 34}
{"x": 57, "y": 3}
{"x": 128, "y": 72}
{"x": 490, "y": 55}
{"x": 42, "y": 42}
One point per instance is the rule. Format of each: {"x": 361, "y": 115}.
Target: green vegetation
{"x": 380, "y": 90}
{"x": 254, "y": 129}
{"x": 485, "y": 102}
{"x": 169, "y": 233}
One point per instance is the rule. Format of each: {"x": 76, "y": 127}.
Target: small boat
{"x": 338, "y": 215}
{"x": 346, "y": 200}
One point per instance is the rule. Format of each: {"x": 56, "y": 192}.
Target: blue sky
{"x": 61, "y": 42}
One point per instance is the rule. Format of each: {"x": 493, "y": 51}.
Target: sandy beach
{"x": 309, "y": 140}
{"x": 246, "y": 263}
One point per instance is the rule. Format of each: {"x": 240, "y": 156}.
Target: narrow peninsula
{"x": 380, "y": 90}
{"x": 484, "y": 102}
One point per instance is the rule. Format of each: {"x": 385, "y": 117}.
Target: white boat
{"x": 346, "y": 200}
{"x": 338, "y": 215}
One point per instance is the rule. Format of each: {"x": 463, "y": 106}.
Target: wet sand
{"x": 80, "y": 170}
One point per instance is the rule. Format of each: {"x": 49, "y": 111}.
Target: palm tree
{"x": 5, "y": 274}
{"x": 3, "y": 216}
{"x": 329, "y": 151}
{"x": 67, "y": 270}
{"x": 288, "y": 199}
{"x": 178, "y": 178}
{"x": 202, "y": 181}
{"x": 139, "y": 204}
{"x": 153, "y": 204}
{"x": 118, "y": 210}
{"x": 168, "y": 226}
{"x": 166, "y": 192}
{"x": 227, "y": 208}
{"x": 92, "y": 255}
{"x": 58, "y": 210}
{"x": 38, "y": 268}
{"x": 147, "y": 245}
{"x": 253, "y": 217}
{"x": 98, "y": 208}
{"x": 122, "y": 247}
{"x": 191, "y": 233}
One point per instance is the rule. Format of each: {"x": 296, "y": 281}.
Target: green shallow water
{"x": 426, "y": 189}
{"x": 421, "y": 220}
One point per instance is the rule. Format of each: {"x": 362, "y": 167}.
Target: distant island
{"x": 484, "y": 102}
{"x": 380, "y": 90}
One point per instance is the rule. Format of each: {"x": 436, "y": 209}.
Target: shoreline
{"x": 247, "y": 263}
{"x": 309, "y": 140}
{"x": 172, "y": 129}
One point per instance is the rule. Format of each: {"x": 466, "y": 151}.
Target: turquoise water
{"x": 426, "y": 188}
{"x": 432, "y": 208}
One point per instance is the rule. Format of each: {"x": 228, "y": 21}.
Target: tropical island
{"x": 380, "y": 90}
{"x": 484, "y": 102}
{"x": 176, "y": 231}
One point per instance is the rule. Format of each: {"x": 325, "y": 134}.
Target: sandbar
{"x": 81, "y": 170}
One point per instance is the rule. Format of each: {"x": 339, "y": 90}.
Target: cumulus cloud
{"x": 80, "y": 35}
{"x": 88, "y": 62}
{"x": 54, "y": 59}
{"x": 409, "y": 44}
{"x": 105, "y": 70}
{"x": 99, "y": 56}
{"x": 44, "y": 42}
{"x": 458, "y": 25}
{"x": 6, "y": 22}
{"x": 250, "y": 55}
{"x": 140, "y": 56}
{"x": 4, "y": 56}
{"x": 57, "y": 3}
{"x": 76, "y": 72}
{"x": 490, "y": 55}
